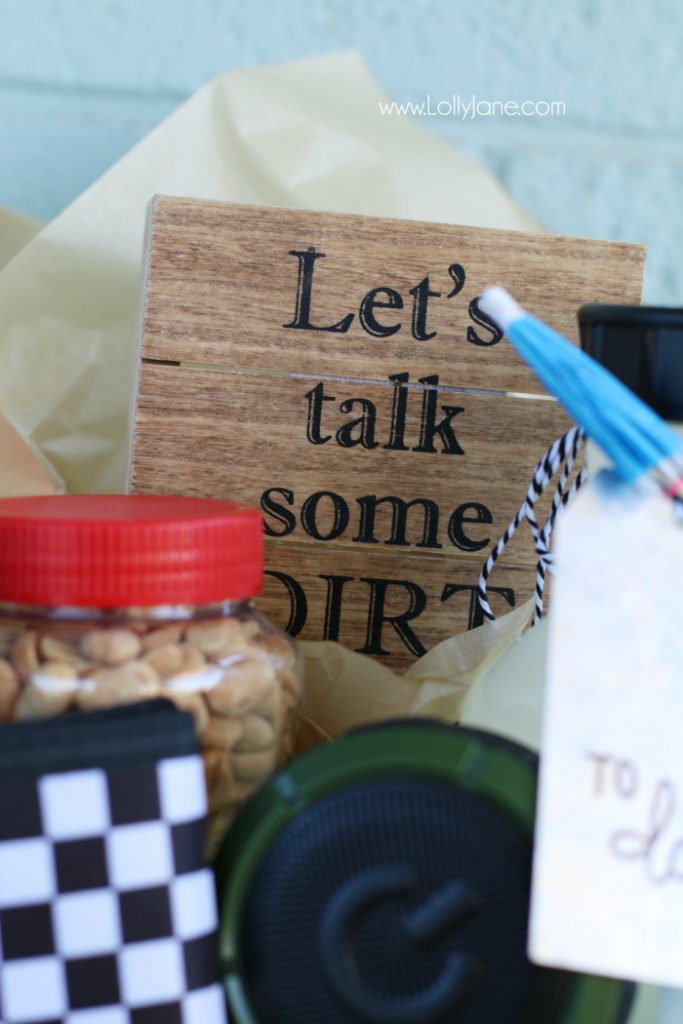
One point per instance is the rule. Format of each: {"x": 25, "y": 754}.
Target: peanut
{"x": 110, "y": 646}
{"x": 166, "y": 659}
{"x": 241, "y": 687}
{"x": 269, "y": 706}
{"x": 222, "y": 732}
{"x": 192, "y": 658}
{"x": 219, "y": 638}
{"x": 9, "y": 689}
{"x": 52, "y": 691}
{"x": 124, "y": 684}
{"x": 257, "y": 734}
{"x": 51, "y": 649}
{"x": 235, "y": 676}
{"x": 24, "y": 655}
{"x": 196, "y": 680}
{"x": 170, "y": 634}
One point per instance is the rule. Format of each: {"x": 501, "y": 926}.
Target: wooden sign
{"x": 338, "y": 372}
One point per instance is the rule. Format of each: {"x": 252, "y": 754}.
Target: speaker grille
{"x": 440, "y": 834}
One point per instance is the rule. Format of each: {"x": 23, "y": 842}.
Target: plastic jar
{"x": 643, "y": 347}
{"x": 111, "y": 599}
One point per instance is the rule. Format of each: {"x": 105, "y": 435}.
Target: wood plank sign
{"x": 337, "y": 372}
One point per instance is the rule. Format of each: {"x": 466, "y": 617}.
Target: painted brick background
{"x": 82, "y": 80}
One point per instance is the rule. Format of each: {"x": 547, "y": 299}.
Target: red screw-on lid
{"x": 119, "y": 550}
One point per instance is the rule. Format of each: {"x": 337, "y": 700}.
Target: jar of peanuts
{"x": 110, "y": 599}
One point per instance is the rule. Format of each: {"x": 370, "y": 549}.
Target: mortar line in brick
{"x": 90, "y": 90}
{"x": 581, "y": 141}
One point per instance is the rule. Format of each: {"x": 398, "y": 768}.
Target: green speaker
{"x": 384, "y": 879}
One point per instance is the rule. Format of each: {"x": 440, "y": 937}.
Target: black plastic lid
{"x": 643, "y": 347}
{"x": 384, "y": 879}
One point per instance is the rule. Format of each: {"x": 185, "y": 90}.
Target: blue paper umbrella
{"x": 633, "y": 437}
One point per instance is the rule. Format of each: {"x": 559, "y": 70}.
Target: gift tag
{"x": 608, "y": 872}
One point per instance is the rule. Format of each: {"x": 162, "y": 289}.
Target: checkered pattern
{"x": 107, "y": 910}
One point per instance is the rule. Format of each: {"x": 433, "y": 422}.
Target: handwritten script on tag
{"x": 654, "y": 841}
{"x": 607, "y": 892}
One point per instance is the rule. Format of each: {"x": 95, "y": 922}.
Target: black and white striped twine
{"x": 562, "y": 452}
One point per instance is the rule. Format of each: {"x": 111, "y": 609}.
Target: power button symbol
{"x": 442, "y": 911}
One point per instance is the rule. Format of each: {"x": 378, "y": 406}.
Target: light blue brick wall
{"x": 82, "y": 80}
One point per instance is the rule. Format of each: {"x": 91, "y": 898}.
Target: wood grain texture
{"x": 351, "y": 596}
{"x": 212, "y": 434}
{"x": 222, "y": 284}
{"x": 381, "y": 493}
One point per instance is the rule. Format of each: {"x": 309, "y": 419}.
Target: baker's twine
{"x": 562, "y": 452}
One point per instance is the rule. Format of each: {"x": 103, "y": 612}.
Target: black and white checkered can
{"x": 107, "y": 908}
